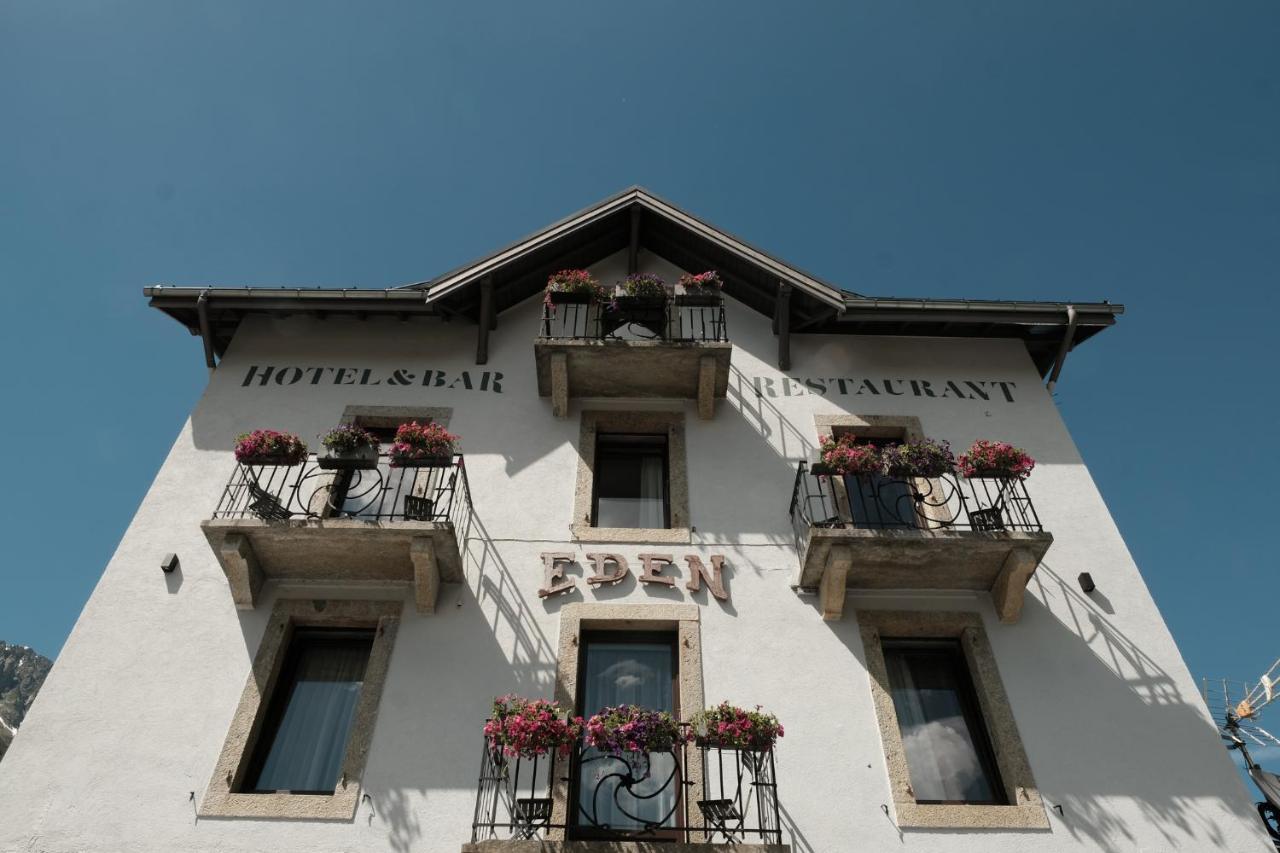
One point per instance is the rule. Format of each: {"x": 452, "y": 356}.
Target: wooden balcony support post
{"x": 485, "y": 320}
{"x": 782, "y": 325}
{"x": 633, "y": 247}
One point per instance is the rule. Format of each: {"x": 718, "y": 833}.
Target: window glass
{"x": 310, "y": 713}
{"x": 949, "y": 754}
{"x": 621, "y": 670}
{"x": 631, "y": 482}
{"x": 877, "y": 501}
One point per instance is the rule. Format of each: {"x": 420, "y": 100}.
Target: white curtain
{"x": 306, "y": 752}
{"x": 626, "y": 674}
{"x": 650, "y": 508}
{"x": 941, "y": 756}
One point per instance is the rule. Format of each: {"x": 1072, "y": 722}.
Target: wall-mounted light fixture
{"x": 169, "y": 563}
{"x": 1086, "y": 582}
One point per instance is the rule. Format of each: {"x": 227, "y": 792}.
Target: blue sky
{"x": 1085, "y": 150}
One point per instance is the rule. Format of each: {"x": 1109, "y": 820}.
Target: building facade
{"x": 299, "y": 657}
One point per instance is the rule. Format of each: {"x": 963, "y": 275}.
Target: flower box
{"x": 569, "y": 297}
{"x": 702, "y": 289}
{"x": 269, "y": 447}
{"x": 923, "y": 458}
{"x": 421, "y": 461}
{"x": 630, "y": 728}
{"x": 572, "y": 287}
{"x": 359, "y": 459}
{"x": 527, "y": 728}
{"x": 699, "y": 300}
{"x": 997, "y": 460}
{"x": 422, "y": 446}
{"x": 726, "y": 726}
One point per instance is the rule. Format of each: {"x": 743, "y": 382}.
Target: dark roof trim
{"x": 452, "y": 281}
{"x": 858, "y": 309}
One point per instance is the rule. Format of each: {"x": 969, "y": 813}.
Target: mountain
{"x": 22, "y": 671}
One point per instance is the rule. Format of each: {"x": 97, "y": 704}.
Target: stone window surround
{"x": 222, "y": 799}
{"x": 641, "y": 422}
{"x": 684, "y": 620}
{"x": 1027, "y": 811}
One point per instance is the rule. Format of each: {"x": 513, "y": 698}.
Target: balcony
{"x": 675, "y": 348}
{"x": 941, "y": 533}
{"x": 310, "y": 523}
{"x": 695, "y": 798}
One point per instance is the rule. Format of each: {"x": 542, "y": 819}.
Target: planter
{"x": 562, "y": 297}
{"x": 422, "y": 462}
{"x": 699, "y": 300}
{"x": 281, "y": 461}
{"x": 650, "y": 312}
{"x": 360, "y": 459}
{"x": 993, "y": 475}
{"x": 822, "y": 469}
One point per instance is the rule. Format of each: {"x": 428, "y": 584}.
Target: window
{"x": 383, "y": 492}
{"x": 301, "y": 734}
{"x": 631, "y": 482}
{"x": 309, "y": 717}
{"x": 626, "y": 668}
{"x": 948, "y": 751}
{"x": 875, "y": 500}
{"x": 951, "y": 744}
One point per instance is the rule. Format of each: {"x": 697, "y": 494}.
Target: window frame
{"x": 225, "y": 795}
{"x": 300, "y": 638}
{"x": 669, "y": 637}
{"x": 970, "y": 708}
{"x": 1025, "y": 809}
{"x": 654, "y": 422}
{"x": 580, "y": 618}
{"x": 602, "y": 438}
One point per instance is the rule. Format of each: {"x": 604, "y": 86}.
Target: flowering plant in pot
{"x": 842, "y": 457}
{"x": 269, "y": 447}
{"x": 727, "y": 726}
{"x": 701, "y": 289}
{"x": 526, "y": 728}
{"x": 422, "y": 446}
{"x": 646, "y": 287}
{"x": 572, "y": 286}
{"x": 923, "y": 458}
{"x": 349, "y": 447}
{"x": 997, "y": 459}
{"x": 630, "y": 728}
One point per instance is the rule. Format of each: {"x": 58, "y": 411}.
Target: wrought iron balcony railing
{"x": 683, "y": 319}
{"x": 696, "y": 793}
{"x": 948, "y": 502}
{"x": 438, "y": 493}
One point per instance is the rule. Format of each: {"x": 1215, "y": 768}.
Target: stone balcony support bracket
{"x": 426, "y": 574}
{"x": 1010, "y": 587}
{"x": 834, "y": 584}
{"x": 559, "y": 384}
{"x": 240, "y": 565}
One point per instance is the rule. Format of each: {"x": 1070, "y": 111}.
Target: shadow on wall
{"x": 1124, "y": 734}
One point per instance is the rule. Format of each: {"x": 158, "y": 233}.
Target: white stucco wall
{"x": 132, "y": 718}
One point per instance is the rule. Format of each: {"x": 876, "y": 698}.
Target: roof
{"x": 635, "y": 219}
